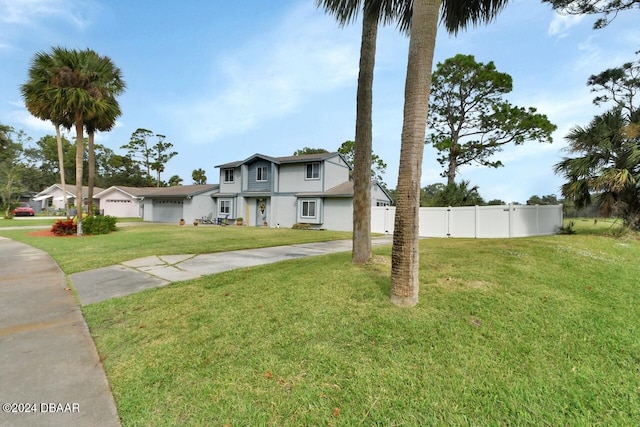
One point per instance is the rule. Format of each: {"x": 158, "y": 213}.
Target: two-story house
{"x": 282, "y": 191}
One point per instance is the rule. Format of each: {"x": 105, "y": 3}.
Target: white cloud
{"x": 273, "y": 75}
{"x": 30, "y": 123}
{"x": 27, "y": 12}
{"x": 561, "y": 24}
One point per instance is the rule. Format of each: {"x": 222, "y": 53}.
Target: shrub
{"x": 568, "y": 229}
{"x": 99, "y": 224}
{"x": 64, "y": 228}
{"x": 301, "y": 226}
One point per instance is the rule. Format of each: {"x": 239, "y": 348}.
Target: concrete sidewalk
{"x": 50, "y": 372}
{"x": 154, "y": 271}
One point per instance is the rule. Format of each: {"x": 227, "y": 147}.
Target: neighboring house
{"x": 171, "y": 204}
{"x": 282, "y": 191}
{"x": 122, "y": 202}
{"x": 50, "y": 199}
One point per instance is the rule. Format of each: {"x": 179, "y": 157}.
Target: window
{"x": 261, "y": 173}
{"x": 228, "y": 175}
{"x": 313, "y": 171}
{"x": 308, "y": 209}
{"x": 225, "y": 207}
{"x": 379, "y": 203}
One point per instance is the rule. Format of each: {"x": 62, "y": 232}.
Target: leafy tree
{"x": 459, "y": 194}
{"x": 608, "y": 8}
{"x": 175, "y": 180}
{"x": 199, "y": 176}
{"x": 470, "y": 121}
{"x": 378, "y": 166}
{"x": 606, "y": 166}
{"x": 12, "y": 169}
{"x": 374, "y": 11}
{"x": 161, "y": 155}
{"x": 428, "y": 193}
{"x": 618, "y": 85}
{"x": 122, "y": 170}
{"x": 140, "y": 148}
{"x": 45, "y": 154}
{"x": 308, "y": 150}
{"x": 549, "y": 199}
{"x": 496, "y": 202}
{"x": 456, "y": 15}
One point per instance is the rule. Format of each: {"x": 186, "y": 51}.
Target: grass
{"x": 535, "y": 331}
{"x": 75, "y": 254}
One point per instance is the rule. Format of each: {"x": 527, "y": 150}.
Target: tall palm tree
{"x": 104, "y": 123}
{"x": 606, "y": 166}
{"x": 85, "y": 85}
{"x": 37, "y": 94}
{"x": 455, "y": 15}
{"x": 374, "y": 11}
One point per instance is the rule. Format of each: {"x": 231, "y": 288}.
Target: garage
{"x": 121, "y": 208}
{"x": 168, "y": 210}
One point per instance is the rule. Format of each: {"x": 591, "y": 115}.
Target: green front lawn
{"x": 535, "y": 331}
{"x": 75, "y": 254}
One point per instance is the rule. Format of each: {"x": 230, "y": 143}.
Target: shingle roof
{"x": 175, "y": 191}
{"x": 341, "y": 190}
{"x": 286, "y": 159}
{"x": 178, "y": 190}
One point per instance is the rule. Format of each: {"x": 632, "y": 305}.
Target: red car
{"x": 23, "y": 209}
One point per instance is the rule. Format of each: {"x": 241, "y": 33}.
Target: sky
{"x": 225, "y": 82}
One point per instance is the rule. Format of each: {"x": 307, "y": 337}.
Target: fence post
{"x": 510, "y": 221}
{"x": 477, "y": 221}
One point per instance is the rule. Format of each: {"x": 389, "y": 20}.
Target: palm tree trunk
{"x": 92, "y": 173}
{"x": 363, "y": 144}
{"x": 79, "y": 159}
{"x": 61, "y": 166}
{"x": 405, "y": 252}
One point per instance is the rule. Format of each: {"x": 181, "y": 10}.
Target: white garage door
{"x": 167, "y": 210}
{"x": 121, "y": 208}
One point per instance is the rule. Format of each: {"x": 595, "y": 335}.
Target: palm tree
{"x": 606, "y": 168}
{"x": 456, "y": 15}
{"x": 37, "y": 94}
{"x": 374, "y": 11}
{"x": 84, "y": 85}
{"x": 109, "y": 80}
{"x": 103, "y": 123}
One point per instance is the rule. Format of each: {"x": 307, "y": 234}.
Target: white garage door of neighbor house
{"x": 120, "y": 208}
{"x": 169, "y": 210}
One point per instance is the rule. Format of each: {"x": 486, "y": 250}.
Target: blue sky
{"x": 223, "y": 83}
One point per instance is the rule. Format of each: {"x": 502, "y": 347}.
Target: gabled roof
{"x": 305, "y": 158}
{"x": 341, "y": 190}
{"x": 71, "y": 190}
{"x": 129, "y": 191}
{"x": 175, "y": 191}
{"x": 178, "y": 190}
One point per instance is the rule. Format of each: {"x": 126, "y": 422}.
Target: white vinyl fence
{"x": 477, "y": 221}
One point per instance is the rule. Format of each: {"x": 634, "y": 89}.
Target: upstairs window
{"x": 228, "y": 175}
{"x": 313, "y": 170}
{"x": 261, "y": 173}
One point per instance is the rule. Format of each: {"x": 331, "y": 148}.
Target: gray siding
{"x": 253, "y": 183}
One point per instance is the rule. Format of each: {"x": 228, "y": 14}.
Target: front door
{"x": 261, "y": 212}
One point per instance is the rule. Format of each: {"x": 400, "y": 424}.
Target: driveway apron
{"x": 50, "y": 372}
